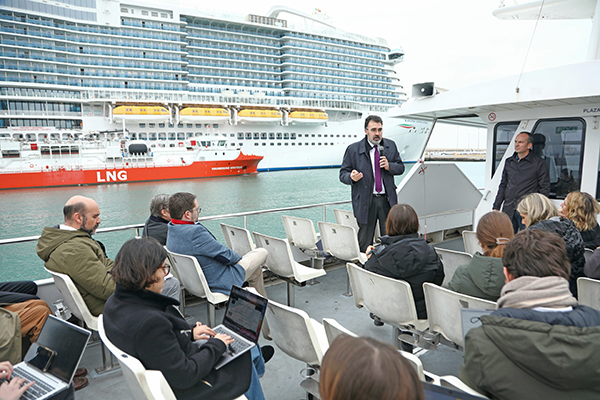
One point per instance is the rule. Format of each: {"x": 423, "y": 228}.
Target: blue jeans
{"x": 255, "y": 391}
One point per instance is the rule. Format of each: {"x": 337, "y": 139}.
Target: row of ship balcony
{"x": 337, "y": 73}
{"x": 227, "y": 47}
{"x": 60, "y": 46}
{"x": 211, "y": 35}
{"x": 282, "y": 35}
{"x": 62, "y": 58}
{"x": 56, "y": 123}
{"x": 37, "y": 92}
{"x": 70, "y": 36}
{"x": 150, "y": 24}
{"x": 109, "y": 63}
{"x": 336, "y": 50}
{"x": 101, "y": 72}
{"x": 99, "y": 29}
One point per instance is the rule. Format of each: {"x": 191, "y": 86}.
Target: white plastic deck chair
{"x": 237, "y": 239}
{"x": 143, "y": 384}
{"x": 341, "y": 242}
{"x": 281, "y": 263}
{"x": 193, "y": 279}
{"x": 589, "y": 292}
{"x": 334, "y": 329}
{"x": 471, "y": 242}
{"x": 301, "y": 338}
{"x": 301, "y": 233}
{"x": 452, "y": 259}
{"x": 588, "y": 253}
{"x": 74, "y": 301}
{"x": 443, "y": 312}
{"x": 345, "y": 217}
{"x": 390, "y": 299}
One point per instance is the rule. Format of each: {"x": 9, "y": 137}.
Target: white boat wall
{"x": 559, "y": 106}
{"x": 160, "y": 74}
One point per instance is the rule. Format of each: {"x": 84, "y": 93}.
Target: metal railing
{"x": 245, "y": 215}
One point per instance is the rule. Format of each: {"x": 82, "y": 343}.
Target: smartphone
{"x": 42, "y": 357}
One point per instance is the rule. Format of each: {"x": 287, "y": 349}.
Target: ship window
{"x": 240, "y": 135}
{"x": 271, "y": 135}
{"x": 313, "y": 135}
{"x": 151, "y": 125}
{"x": 190, "y": 125}
{"x": 180, "y": 125}
{"x": 293, "y": 144}
{"x": 161, "y": 125}
{"x": 343, "y": 135}
{"x": 286, "y": 135}
{"x": 272, "y": 144}
{"x": 299, "y": 135}
{"x": 313, "y": 143}
{"x": 231, "y": 135}
{"x": 215, "y": 126}
{"x": 279, "y": 135}
{"x": 286, "y": 143}
{"x": 198, "y": 125}
{"x": 256, "y": 136}
{"x": 263, "y": 135}
{"x": 299, "y": 144}
{"x": 318, "y": 135}
{"x": 279, "y": 144}
{"x": 293, "y": 136}
{"x": 142, "y": 125}
{"x": 560, "y": 143}
{"x": 256, "y": 144}
{"x": 248, "y": 135}
{"x": 503, "y": 133}
{"x": 171, "y": 125}
{"x": 264, "y": 144}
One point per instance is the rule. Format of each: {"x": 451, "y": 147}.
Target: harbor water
{"x": 26, "y": 212}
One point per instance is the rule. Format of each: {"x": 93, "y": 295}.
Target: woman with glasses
{"x": 142, "y": 322}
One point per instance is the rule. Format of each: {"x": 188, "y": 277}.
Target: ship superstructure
{"x": 168, "y": 75}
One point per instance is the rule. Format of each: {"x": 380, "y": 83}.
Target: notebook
{"x": 434, "y": 392}
{"x": 52, "y": 361}
{"x": 242, "y": 321}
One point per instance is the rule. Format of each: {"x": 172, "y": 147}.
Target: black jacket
{"x": 591, "y": 237}
{"x": 410, "y": 259}
{"x": 357, "y": 157}
{"x": 519, "y": 178}
{"x": 156, "y": 228}
{"x": 145, "y": 325}
{"x": 565, "y": 228}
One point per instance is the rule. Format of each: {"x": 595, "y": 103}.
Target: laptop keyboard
{"x": 37, "y": 390}
{"x": 237, "y": 345}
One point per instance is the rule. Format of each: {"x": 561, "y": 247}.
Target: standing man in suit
{"x": 369, "y": 167}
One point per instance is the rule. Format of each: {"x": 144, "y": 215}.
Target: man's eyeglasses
{"x": 196, "y": 209}
{"x": 166, "y": 268}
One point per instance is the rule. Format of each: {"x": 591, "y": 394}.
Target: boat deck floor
{"x": 283, "y": 374}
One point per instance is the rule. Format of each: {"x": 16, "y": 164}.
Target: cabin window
{"x": 161, "y": 125}
{"x": 560, "y": 142}
{"x": 240, "y": 135}
{"x": 503, "y": 133}
{"x": 142, "y": 125}
{"x": 256, "y": 136}
{"x": 248, "y": 135}
{"x": 271, "y": 135}
{"x": 279, "y": 135}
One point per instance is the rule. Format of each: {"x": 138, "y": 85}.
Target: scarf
{"x": 181, "y": 222}
{"x": 532, "y": 291}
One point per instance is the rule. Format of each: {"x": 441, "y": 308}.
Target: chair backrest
{"x": 471, "y": 242}
{"x": 143, "y": 384}
{"x": 237, "y": 239}
{"x": 345, "y": 217}
{"x": 333, "y": 329}
{"x": 300, "y": 232}
{"x": 390, "y": 299}
{"x": 589, "y": 292}
{"x": 340, "y": 241}
{"x": 296, "y": 334}
{"x": 443, "y": 310}
{"x": 73, "y": 299}
{"x": 587, "y": 254}
{"x": 452, "y": 260}
{"x": 191, "y": 275}
{"x": 280, "y": 260}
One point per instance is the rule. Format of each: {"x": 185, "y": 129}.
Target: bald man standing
{"x": 70, "y": 249}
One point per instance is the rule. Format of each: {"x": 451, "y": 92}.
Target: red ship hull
{"x": 242, "y": 165}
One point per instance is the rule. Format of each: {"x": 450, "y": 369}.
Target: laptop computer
{"x": 242, "y": 321}
{"x": 434, "y": 392}
{"x": 471, "y": 318}
{"x": 52, "y": 361}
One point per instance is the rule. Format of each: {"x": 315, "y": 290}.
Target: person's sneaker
{"x": 80, "y": 372}
{"x": 375, "y": 319}
{"x": 80, "y": 382}
{"x": 267, "y": 353}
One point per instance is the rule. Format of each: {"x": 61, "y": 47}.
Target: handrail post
{"x": 324, "y": 213}
{"x": 245, "y": 222}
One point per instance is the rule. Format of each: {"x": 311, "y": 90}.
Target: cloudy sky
{"x": 452, "y": 43}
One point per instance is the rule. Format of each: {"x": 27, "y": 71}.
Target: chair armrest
{"x": 454, "y": 382}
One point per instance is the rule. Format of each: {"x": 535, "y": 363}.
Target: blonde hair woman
{"x": 583, "y": 210}
{"x": 539, "y": 212}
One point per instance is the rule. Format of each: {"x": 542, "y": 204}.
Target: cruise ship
{"x": 286, "y": 86}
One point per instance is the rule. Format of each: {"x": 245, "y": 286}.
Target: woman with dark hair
{"x": 142, "y": 322}
{"x": 583, "y": 210}
{"x": 539, "y": 212}
{"x": 366, "y": 369}
{"x": 483, "y": 277}
{"x": 404, "y": 255}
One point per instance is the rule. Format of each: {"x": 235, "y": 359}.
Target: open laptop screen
{"x": 434, "y": 392}
{"x": 245, "y": 313}
{"x": 67, "y": 340}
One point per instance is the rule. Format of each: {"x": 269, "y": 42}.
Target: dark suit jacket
{"x": 357, "y": 157}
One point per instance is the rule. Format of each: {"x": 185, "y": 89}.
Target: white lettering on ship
{"x": 111, "y": 176}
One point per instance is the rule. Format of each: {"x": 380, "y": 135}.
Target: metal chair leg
{"x": 212, "y": 314}
{"x": 291, "y": 298}
{"x": 109, "y": 363}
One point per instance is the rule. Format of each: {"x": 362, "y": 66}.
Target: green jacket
{"x": 514, "y": 359}
{"x": 482, "y": 278}
{"x": 76, "y": 254}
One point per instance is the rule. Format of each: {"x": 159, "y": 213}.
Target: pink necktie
{"x": 378, "y": 186}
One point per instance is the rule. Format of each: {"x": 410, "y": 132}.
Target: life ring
{"x": 30, "y": 165}
{"x": 168, "y": 160}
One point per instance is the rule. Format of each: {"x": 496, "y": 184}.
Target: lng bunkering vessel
{"x": 130, "y": 81}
